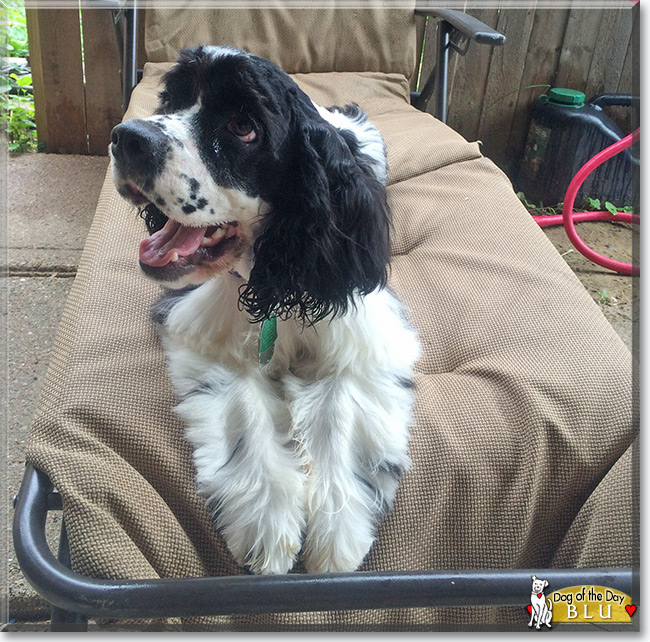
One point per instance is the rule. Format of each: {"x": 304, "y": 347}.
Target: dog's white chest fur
{"x": 305, "y": 453}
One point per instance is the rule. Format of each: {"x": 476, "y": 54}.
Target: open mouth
{"x": 177, "y": 248}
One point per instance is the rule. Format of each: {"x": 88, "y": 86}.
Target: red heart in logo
{"x": 529, "y": 608}
{"x": 631, "y": 609}
{"x": 539, "y": 595}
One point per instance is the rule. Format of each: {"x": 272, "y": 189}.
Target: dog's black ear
{"x": 327, "y": 234}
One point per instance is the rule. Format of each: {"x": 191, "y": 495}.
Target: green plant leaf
{"x": 611, "y": 208}
{"x": 25, "y": 81}
{"x": 522, "y": 198}
{"x": 604, "y": 298}
{"x": 593, "y": 203}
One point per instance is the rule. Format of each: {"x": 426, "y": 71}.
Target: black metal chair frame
{"x": 75, "y": 597}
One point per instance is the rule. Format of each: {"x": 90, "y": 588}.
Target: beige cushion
{"x": 299, "y": 40}
{"x": 602, "y": 542}
{"x": 524, "y": 391}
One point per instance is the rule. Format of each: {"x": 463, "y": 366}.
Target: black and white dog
{"x": 269, "y": 221}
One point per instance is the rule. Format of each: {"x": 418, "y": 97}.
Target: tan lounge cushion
{"x": 524, "y": 393}
{"x": 319, "y": 40}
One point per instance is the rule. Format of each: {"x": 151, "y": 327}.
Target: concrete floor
{"x": 51, "y": 201}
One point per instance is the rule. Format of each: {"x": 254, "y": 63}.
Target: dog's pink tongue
{"x": 158, "y": 249}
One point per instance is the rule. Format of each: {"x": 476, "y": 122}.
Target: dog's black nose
{"x": 140, "y": 144}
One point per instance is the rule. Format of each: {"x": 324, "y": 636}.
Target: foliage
{"x": 595, "y": 205}
{"x": 17, "y": 102}
{"x": 539, "y": 210}
{"x": 13, "y": 29}
{"x": 16, "y": 94}
{"x": 604, "y": 298}
{"x": 590, "y": 205}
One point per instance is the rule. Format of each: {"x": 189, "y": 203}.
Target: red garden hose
{"x": 568, "y": 217}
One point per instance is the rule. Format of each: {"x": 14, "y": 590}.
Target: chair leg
{"x": 61, "y": 620}
{"x": 64, "y": 621}
{"x": 442, "y": 66}
{"x": 438, "y": 78}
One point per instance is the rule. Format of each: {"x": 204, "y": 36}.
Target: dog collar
{"x": 268, "y": 332}
{"x": 268, "y": 335}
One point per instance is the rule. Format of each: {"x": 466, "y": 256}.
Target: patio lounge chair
{"x": 524, "y": 445}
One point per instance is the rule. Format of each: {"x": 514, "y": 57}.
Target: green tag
{"x": 268, "y": 335}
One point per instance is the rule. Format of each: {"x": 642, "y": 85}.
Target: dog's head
{"x": 239, "y": 164}
{"x": 539, "y": 585}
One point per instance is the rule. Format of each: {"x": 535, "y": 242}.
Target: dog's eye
{"x": 242, "y": 127}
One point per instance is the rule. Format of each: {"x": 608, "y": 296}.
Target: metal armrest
{"x": 467, "y": 25}
{"x": 253, "y": 594}
{"x": 454, "y": 28}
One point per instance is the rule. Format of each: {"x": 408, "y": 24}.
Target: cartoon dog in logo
{"x": 541, "y": 610}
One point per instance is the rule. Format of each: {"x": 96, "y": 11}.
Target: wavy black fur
{"x": 327, "y": 235}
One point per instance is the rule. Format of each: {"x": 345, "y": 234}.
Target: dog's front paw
{"x": 263, "y": 525}
{"x": 335, "y": 553}
{"x": 339, "y": 536}
{"x": 262, "y": 549}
